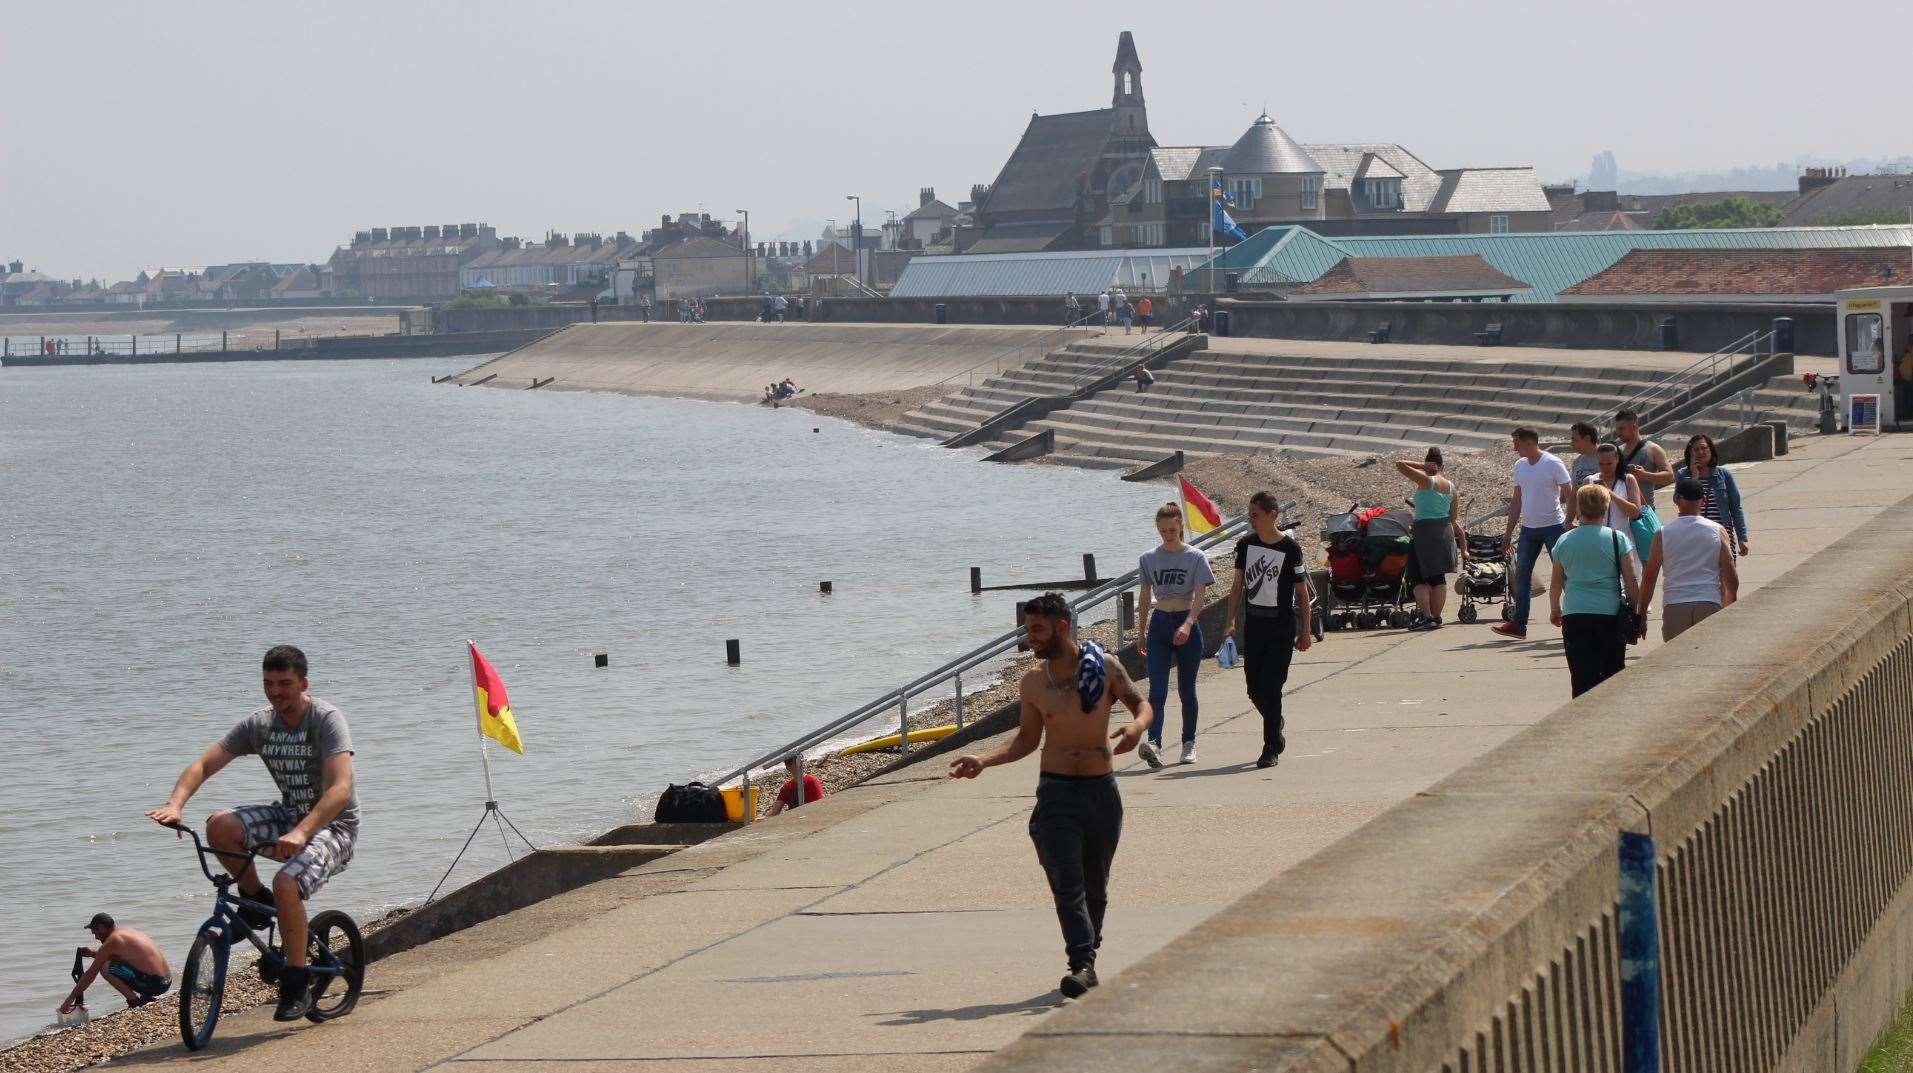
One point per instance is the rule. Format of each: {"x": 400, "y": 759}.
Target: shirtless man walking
{"x": 1067, "y": 699}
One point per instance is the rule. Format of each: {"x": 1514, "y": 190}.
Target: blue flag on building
{"x": 1219, "y": 219}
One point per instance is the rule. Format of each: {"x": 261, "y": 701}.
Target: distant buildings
{"x": 700, "y": 267}
{"x": 1830, "y": 197}
{"x": 1098, "y": 179}
{"x": 583, "y": 262}
{"x": 409, "y": 264}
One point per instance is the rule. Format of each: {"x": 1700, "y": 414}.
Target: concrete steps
{"x": 1215, "y": 402}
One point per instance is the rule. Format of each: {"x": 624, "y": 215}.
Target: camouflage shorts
{"x": 325, "y": 856}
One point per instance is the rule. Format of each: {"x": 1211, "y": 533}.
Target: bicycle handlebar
{"x": 202, "y": 850}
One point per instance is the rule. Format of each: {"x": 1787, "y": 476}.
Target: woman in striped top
{"x": 1722, "y": 504}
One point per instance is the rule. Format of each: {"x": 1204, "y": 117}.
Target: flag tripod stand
{"x": 499, "y": 820}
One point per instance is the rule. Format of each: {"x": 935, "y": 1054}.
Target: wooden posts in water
{"x": 275, "y": 339}
{"x": 823, "y": 588}
{"x": 732, "y": 655}
{"x": 222, "y": 340}
{"x": 976, "y": 580}
{"x": 1089, "y": 568}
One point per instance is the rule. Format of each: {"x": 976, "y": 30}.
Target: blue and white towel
{"x": 1091, "y": 676}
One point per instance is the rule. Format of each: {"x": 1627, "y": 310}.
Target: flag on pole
{"x": 1220, "y": 221}
{"x": 494, "y": 706}
{"x": 1199, "y": 515}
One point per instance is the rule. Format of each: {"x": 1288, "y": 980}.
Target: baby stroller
{"x": 1483, "y": 579}
{"x": 1367, "y": 565}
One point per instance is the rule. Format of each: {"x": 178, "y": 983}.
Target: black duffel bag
{"x": 692, "y": 803}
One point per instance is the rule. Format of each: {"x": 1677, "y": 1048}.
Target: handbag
{"x": 1643, "y": 527}
{"x": 1627, "y": 621}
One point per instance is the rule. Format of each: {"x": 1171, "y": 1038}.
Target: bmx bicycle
{"x": 335, "y": 953}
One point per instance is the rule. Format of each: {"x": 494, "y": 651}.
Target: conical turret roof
{"x": 1265, "y": 149}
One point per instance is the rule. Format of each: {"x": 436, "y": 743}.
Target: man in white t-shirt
{"x": 1540, "y": 510}
{"x": 1698, "y": 561}
{"x": 1102, "y": 307}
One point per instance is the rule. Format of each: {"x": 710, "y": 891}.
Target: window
{"x": 1866, "y": 346}
{"x": 1107, "y": 236}
{"x": 1152, "y": 192}
{"x": 1308, "y": 192}
{"x": 1498, "y": 224}
{"x": 1244, "y": 192}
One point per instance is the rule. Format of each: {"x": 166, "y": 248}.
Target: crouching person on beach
{"x": 131, "y": 962}
{"x": 1067, "y": 700}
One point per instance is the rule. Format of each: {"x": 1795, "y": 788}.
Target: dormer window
{"x": 1383, "y": 193}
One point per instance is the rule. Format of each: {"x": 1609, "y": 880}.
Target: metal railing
{"x": 256, "y": 339}
{"x": 1680, "y": 388}
{"x": 953, "y": 671}
{"x": 1038, "y": 348}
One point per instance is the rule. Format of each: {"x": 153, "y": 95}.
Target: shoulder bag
{"x": 1627, "y": 621}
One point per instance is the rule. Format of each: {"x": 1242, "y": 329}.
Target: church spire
{"x": 1132, "y": 117}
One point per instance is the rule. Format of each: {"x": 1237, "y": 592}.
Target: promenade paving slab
{"x": 904, "y": 925}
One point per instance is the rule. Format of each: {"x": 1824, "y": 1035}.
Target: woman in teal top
{"x": 1593, "y": 567}
{"x": 1437, "y": 538}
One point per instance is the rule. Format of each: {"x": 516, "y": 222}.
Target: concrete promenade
{"x": 904, "y": 925}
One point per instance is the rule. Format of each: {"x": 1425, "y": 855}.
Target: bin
{"x": 1670, "y": 335}
{"x": 1221, "y": 321}
{"x": 734, "y": 803}
{"x": 1783, "y": 335}
{"x": 943, "y": 313}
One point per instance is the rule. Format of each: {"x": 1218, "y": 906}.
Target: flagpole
{"x": 478, "y": 722}
{"x": 1213, "y": 182}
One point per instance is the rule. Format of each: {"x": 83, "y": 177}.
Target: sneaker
{"x": 1078, "y": 982}
{"x": 1150, "y": 754}
{"x": 1267, "y": 759}
{"x": 1188, "y": 752}
{"x": 1432, "y": 624}
{"x": 1509, "y": 629}
{"x": 255, "y": 916}
{"x": 295, "y": 994}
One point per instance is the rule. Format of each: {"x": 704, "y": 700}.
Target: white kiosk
{"x": 1875, "y": 330}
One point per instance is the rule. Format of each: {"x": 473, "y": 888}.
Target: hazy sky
{"x": 142, "y": 135}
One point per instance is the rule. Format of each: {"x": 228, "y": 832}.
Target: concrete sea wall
{"x": 1474, "y": 927}
{"x": 1701, "y": 328}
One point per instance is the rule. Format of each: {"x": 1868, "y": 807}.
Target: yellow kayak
{"x": 890, "y": 741}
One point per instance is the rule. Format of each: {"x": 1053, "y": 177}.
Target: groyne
{"x": 326, "y": 348}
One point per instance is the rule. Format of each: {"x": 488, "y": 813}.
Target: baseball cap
{"x": 100, "y": 920}
{"x": 1689, "y": 489}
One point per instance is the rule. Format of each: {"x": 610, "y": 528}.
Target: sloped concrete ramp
{"x": 736, "y": 361}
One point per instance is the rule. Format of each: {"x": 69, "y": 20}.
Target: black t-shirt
{"x": 1270, "y": 571}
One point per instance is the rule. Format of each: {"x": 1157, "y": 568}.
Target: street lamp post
{"x": 750, "y": 278}
{"x": 1215, "y": 182}
{"x": 857, "y": 238}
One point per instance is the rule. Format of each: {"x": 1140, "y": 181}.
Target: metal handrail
{"x": 989, "y": 650}
{"x": 1042, "y": 345}
{"x": 1125, "y": 356}
{"x": 1647, "y": 398}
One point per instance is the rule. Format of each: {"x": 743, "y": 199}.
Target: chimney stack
{"x": 925, "y": 195}
{"x": 1815, "y": 178}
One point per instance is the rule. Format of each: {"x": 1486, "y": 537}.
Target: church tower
{"x": 1132, "y": 116}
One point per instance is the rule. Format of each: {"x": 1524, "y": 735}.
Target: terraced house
{"x": 1098, "y": 179}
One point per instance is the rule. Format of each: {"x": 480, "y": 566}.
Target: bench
{"x": 1380, "y": 334}
{"x": 1490, "y": 336}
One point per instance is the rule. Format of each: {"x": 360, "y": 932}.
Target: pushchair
{"x": 1367, "y": 566}
{"x": 1483, "y": 579}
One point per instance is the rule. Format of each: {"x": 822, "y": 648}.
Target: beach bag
{"x": 1642, "y": 530}
{"x": 1226, "y": 657}
{"x": 690, "y": 803}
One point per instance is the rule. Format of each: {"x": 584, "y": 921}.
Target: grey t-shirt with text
{"x": 297, "y": 767}
{"x": 1175, "y": 574}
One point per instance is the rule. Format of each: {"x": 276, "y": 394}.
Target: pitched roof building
{"x": 1829, "y": 196}
{"x": 1098, "y": 179}
{"x": 1459, "y": 277}
{"x": 1741, "y": 275}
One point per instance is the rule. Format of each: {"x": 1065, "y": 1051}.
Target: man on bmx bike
{"x": 307, "y": 747}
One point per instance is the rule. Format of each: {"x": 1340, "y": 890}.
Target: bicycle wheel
{"x": 332, "y": 939}
{"x": 201, "y": 990}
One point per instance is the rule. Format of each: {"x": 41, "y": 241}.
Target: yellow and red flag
{"x": 494, "y": 706}
{"x": 1199, "y": 515}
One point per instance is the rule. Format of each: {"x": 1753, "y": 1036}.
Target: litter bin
{"x": 1221, "y": 321}
{"x": 943, "y": 313}
{"x": 1670, "y": 334}
{"x": 1783, "y": 335}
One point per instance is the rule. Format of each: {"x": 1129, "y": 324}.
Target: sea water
{"x": 161, "y": 527}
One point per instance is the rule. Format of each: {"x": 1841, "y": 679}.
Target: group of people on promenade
{"x": 1593, "y": 518}
{"x": 1130, "y": 314}
{"x": 1598, "y": 523}
{"x": 775, "y": 308}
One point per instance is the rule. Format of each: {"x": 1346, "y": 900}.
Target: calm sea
{"x": 160, "y": 527}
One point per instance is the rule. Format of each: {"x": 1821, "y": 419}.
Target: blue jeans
{"x": 1527, "y": 553}
{"x": 1187, "y": 658}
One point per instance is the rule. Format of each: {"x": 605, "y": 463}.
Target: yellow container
{"x": 734, "y": 803}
